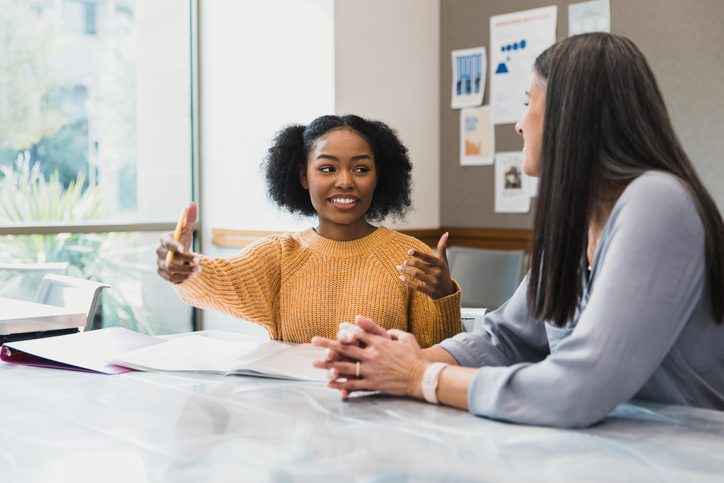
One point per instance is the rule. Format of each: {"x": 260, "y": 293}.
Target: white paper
{"x": 593, "y": 16}
{"x": 477, "y": 140}
{"x": 468, "y": 77}
{"x": 294, "y": 363}
{"x": 516, "y": 39}
{"x": 192, "y": 353}
{"x": 511, "y": 190}
{"x": 248, "y": 356}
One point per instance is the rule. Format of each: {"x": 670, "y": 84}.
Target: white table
{"x": 60, "y": 425}
{"x": 19, "y": 316}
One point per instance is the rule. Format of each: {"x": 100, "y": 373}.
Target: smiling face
{"x": 341, "y": 178}
{"x": 530, "y": 125}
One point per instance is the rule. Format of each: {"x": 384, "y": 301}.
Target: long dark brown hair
{"x": 605, "y": 124}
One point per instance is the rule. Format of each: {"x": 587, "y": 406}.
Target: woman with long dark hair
{"x": 624, "y": 295}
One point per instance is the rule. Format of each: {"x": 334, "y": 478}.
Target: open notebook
{"x": 226, "y": 353}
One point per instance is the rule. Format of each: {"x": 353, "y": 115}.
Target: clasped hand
{"x": 389, "y": 361}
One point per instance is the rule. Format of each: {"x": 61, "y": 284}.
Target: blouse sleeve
{"x": 648, "y": 276}
{"x": 508, "y": 336}
{"x": 245, "y": 286}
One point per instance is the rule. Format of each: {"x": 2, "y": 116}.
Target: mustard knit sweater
{"x": 300, "y": 285}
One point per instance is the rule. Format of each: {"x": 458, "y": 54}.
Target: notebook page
{"x": 192, "y": 353}
{"x": 294, "y": 363}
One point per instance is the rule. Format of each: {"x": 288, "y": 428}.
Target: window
{"x": 89, "y": 10}
{"x": 97, "y": 143}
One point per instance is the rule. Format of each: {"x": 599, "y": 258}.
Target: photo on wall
{"x": 592, "y": 16}
{"x": 512, "y": 194}
{"x": 477, "y": 144}
{"x": 468, "y": 77}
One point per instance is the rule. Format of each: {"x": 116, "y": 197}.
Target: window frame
{"x": 163, "y": 225}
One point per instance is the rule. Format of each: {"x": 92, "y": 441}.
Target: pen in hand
{"x": 177, "y": 235}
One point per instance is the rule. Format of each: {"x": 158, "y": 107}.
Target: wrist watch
{"x": 429, "y": 381}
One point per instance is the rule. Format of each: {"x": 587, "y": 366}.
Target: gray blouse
{"x": 644, "y": 328}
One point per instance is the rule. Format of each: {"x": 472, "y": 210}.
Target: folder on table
{"x": 90, "y": 351}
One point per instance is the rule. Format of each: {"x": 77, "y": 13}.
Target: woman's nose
{"x": 344, "y": 179}
{"x": 518, "y": 129}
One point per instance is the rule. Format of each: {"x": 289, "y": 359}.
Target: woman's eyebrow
{"x": 335, "y": 158}
{"x": 360, "y": 156}
{"x": 327, "y": 156}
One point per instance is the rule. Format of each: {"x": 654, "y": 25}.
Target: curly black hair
{"x": 287, "y": 156}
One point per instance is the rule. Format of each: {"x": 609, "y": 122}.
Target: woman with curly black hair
{"x": 348, "y": 171}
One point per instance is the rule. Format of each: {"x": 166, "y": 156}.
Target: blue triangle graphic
{"x": 502, "y": 69}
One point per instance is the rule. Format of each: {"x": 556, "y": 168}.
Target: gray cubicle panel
{"x": 684, "y": 44}
{"x": 487, "y": 278}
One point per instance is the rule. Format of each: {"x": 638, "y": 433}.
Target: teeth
{"x": 343, "y": 201}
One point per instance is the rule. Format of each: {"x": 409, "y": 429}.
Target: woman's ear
{"x": 303, "y": 178}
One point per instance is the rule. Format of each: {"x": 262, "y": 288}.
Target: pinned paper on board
{"x": 511, "y": 184}
{"x": 468, "y": 77}
{"x": 516, "y": 39}
{"x": 593, "y": 16}
{"x": 477, "y": 141}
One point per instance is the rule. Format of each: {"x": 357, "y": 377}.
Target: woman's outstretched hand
{"x": 185, "y": 264}
{"x": 427, "y": 273}
{"x": 389, "y": 361}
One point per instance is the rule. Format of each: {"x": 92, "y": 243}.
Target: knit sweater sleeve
{"x": 245, "y": 286}
{"x": 430, "y": 320}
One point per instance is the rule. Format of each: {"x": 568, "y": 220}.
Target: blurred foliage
{"x": 26, "y": 197}
{"x": 65, "y": 152}
{"x": 27, "y": 31}
{"x": 68, "y": 148}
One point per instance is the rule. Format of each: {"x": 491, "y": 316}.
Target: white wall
{"x": 387, "y": 68}
{"x": 263, "y": 64}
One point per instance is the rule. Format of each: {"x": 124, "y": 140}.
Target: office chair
{"x": 72, "y": 293}
{"x": 487, "y": 278}
{"x": 20, "y": 280}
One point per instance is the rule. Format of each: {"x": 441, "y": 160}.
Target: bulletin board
{"x": 684, "y": 44}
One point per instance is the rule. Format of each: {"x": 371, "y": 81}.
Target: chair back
{"x": 21, "y": 280}
{"x": 72, "y": 293}
{"x": 487, "y": 278}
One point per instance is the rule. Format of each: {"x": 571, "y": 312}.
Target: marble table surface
{"x": 58, "y": 425}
